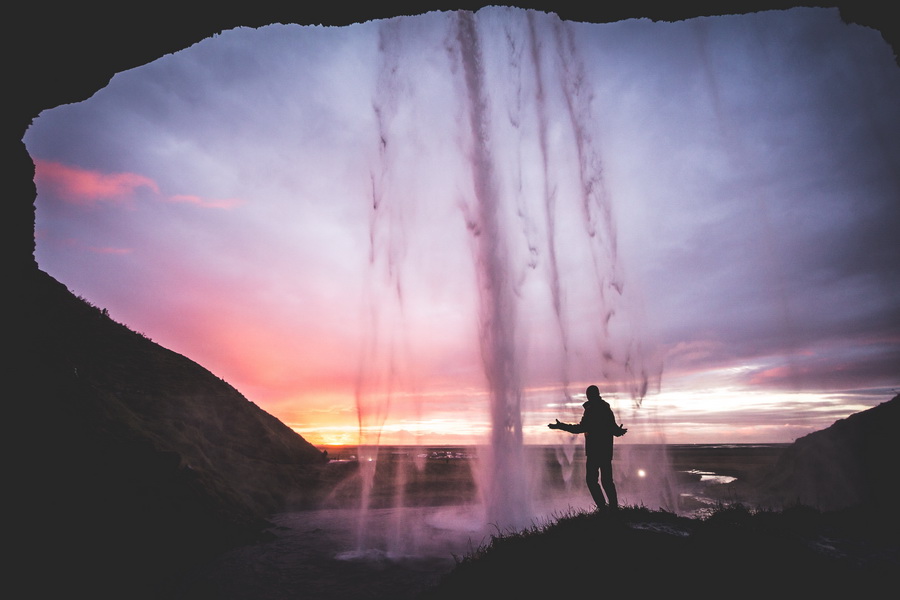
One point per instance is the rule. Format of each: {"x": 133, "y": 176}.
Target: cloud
{"x": 839, "y": 367}
{"x": 227, "y": 203}
{"x": 89, "y": 188}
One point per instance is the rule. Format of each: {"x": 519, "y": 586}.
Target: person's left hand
{"x": 555, "y": 425}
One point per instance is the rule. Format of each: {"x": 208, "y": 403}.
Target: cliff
{"x": 851, "y": 463}
{"x": 136, "y": 461}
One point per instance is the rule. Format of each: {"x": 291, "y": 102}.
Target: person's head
{"x": 593, "y": 393}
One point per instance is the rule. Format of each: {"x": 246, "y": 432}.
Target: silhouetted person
{"x": 598, "y": 424}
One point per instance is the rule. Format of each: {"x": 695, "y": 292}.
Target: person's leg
{"x": 592, "y": 478}
{"x": 609, "y": 486}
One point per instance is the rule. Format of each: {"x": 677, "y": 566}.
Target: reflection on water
{"x": 707, "y": 477}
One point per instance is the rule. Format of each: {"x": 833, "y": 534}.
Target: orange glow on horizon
{"x": 716, "y": 416}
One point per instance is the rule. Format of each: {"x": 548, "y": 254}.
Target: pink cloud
{"x": 695, "y": 354}
{"x": 84, "y": 187}
{"x": 868, "y": 367}
{"x": 225, "y": 203}
{"x": 776, "y": 375}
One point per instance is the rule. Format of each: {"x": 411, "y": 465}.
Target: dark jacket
{"x": 598, "y": 424}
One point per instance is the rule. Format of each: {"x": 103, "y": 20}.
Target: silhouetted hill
{"x": 139, "y": 460}
{"x": 851, "y": 463}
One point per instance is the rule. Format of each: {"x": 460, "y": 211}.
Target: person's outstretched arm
{"x": 570, "y": 427}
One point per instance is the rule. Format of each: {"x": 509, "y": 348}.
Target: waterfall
{"x": 520, "y": 96}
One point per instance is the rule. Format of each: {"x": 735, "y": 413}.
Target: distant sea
{"x": 674, "y": 477}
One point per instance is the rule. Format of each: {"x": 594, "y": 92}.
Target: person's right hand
{"x": 554, "y": 425}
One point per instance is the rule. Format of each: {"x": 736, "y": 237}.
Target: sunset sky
{"x": 710, "y": 206}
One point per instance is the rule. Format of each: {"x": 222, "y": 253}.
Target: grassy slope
{"x": 133, "y": 461}
{"x": 639, "y": 552}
